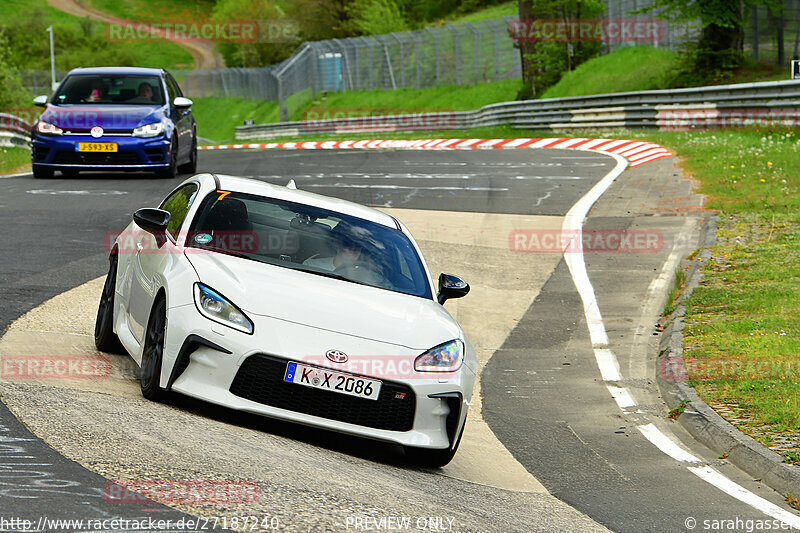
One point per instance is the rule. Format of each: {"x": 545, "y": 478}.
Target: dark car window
{"x": 176, "y": 89}
{"x": 124, "y": 89}
{"x": 178, "y": 204}
{"x": 311, "y": 239}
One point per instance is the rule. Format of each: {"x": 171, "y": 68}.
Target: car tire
{"x": 172, "y": 170}
{"x": 431, "y": 458}
{"x": 152, "y": 355}
{"x": 191, "y": 166}
{"x": 70, "y": 172}
{"x": 42, "y": 172}
{"x": 104, "y": 337}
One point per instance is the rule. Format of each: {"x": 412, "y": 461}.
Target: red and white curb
{"x": 636, "y": 152}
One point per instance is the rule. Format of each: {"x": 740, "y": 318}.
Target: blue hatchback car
{"x": 115, "y": 118}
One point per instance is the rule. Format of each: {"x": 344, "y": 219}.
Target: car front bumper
{"x": 133, "y": 153}
{"x": 204, "y": 360}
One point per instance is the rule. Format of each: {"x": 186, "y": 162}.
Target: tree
{"x": 721, "y": 43}
{"x": 545, "y": 60}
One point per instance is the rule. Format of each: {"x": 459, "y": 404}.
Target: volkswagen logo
{"x": 97, "y": 132}
{"x": 336, "y": 356}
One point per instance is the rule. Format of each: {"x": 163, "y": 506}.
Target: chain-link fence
{"x": 450, "y": 54}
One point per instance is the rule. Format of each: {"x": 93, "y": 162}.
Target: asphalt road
{"x": 542, "y": 392}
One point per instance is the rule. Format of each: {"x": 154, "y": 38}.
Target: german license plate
{"x": 326, "y": 379}
{"x": 96, "y": 147}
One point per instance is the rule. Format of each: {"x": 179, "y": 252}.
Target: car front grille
{"x": 260, "y": 379}
{"x": 97, "y": 158}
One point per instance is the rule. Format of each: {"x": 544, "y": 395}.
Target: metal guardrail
{"x": 712, "y": 106}
{"x": 14, "y": 131}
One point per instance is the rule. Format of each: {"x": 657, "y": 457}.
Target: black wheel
{"x": 70, "y": 172}
{"x": 172, "y": 170}
{"x": 431, "y": 458}
{"x": 191, "y": 166}
{"x": 42, "y": 172}
{"x": 104, "y": 337}
{"x": 153, "y": 352}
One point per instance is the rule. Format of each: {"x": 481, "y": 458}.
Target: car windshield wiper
{"x": 334, "y": 275}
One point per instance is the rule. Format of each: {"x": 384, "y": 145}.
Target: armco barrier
{"x": 14, "y": 131}
{"x": 677, "y": 109}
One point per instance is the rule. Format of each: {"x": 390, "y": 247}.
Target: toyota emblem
{"x": 97, "y": 132}
{"x": 336, "y": 356}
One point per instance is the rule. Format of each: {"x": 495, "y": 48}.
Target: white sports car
{"x": 292, "y": 305}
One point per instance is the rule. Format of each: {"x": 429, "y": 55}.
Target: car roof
{"x": 117, "y": 70}
{"x": 260, "y": 188}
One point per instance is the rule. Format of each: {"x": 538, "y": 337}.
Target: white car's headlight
{"x": 216, "y": 307}
{"x": 446, "y": 357}
{"x": 149, "y": 130}
{"x": 48, "y": 129}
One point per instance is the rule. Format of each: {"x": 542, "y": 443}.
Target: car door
{"x": 181, "y": 117}
{"x": 153, "y": 259}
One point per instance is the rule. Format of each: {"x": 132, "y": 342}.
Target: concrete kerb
{"x": 698, "y": 418}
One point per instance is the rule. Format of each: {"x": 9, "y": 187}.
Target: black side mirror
{"x": 153, "y": 221}
{"x": 451, "y": 286}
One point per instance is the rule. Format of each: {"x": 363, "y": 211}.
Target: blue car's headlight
{"x": 446, "y": 357}
{"x": 150, "y": 130}
{"x": 46, "y": 128}
{"x": 216, "y": 307}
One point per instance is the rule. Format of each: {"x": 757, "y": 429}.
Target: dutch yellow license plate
{"x": 97, "y": 147}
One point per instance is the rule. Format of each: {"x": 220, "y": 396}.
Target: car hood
{"x": 325, "y": 303}
{"x": 108, "y": 117}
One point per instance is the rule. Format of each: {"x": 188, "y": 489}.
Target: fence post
{"x": 402, "y": 60}
{"x": 496, "y": 32}
{"x": 284, "y": 115}
{"x": 458, "y": 67}
{"x": 477, "y": 51}
{"x": 388, "y": 61}
{"x": 416, "y": 43}
{"x": 345, "y": 64}
{"x": 436, "y": 44}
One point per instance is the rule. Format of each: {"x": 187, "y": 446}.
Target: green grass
{"x": 12, "y": 159}
{"x": 156, "y": 10}
{"x": 145, "y": 54}
{"x": 217, "y": 117}
{"x": 500, "y": 10}
{"x": 637, "y": 68}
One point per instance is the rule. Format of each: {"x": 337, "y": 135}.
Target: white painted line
{"x": 727, "y": 486}
{"x": 665, "y": 444}
{"x": 573, "y": 224}
{"x": 621, "y": 396}
{"x": 608, "y": 364}
{"x": 21, "y": 174}
{"x": 404, "y": 187}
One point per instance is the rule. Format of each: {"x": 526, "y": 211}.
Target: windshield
{"x": 307, "y": 238}
{"x": 110, "y": 89}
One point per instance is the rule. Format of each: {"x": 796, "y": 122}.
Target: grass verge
{"x": 12, "y": 159}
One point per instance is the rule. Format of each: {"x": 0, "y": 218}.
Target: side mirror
{"x": 40, "y": 101}
{"x": 153, "y": 221}
{"x": 181, "y": 102}
{"x": 451, "y": 286}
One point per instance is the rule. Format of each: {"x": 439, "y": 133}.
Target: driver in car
{"x": 350, "y": 260}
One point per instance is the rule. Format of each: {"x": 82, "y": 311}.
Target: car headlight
{"x": 149, "y": 130}
{"x": 46, "y": 128}
{"x": 446, "y": 357}
{"x": 216, "y": 307}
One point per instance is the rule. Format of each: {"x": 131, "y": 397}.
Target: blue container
{"x": 330, "y": 68}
